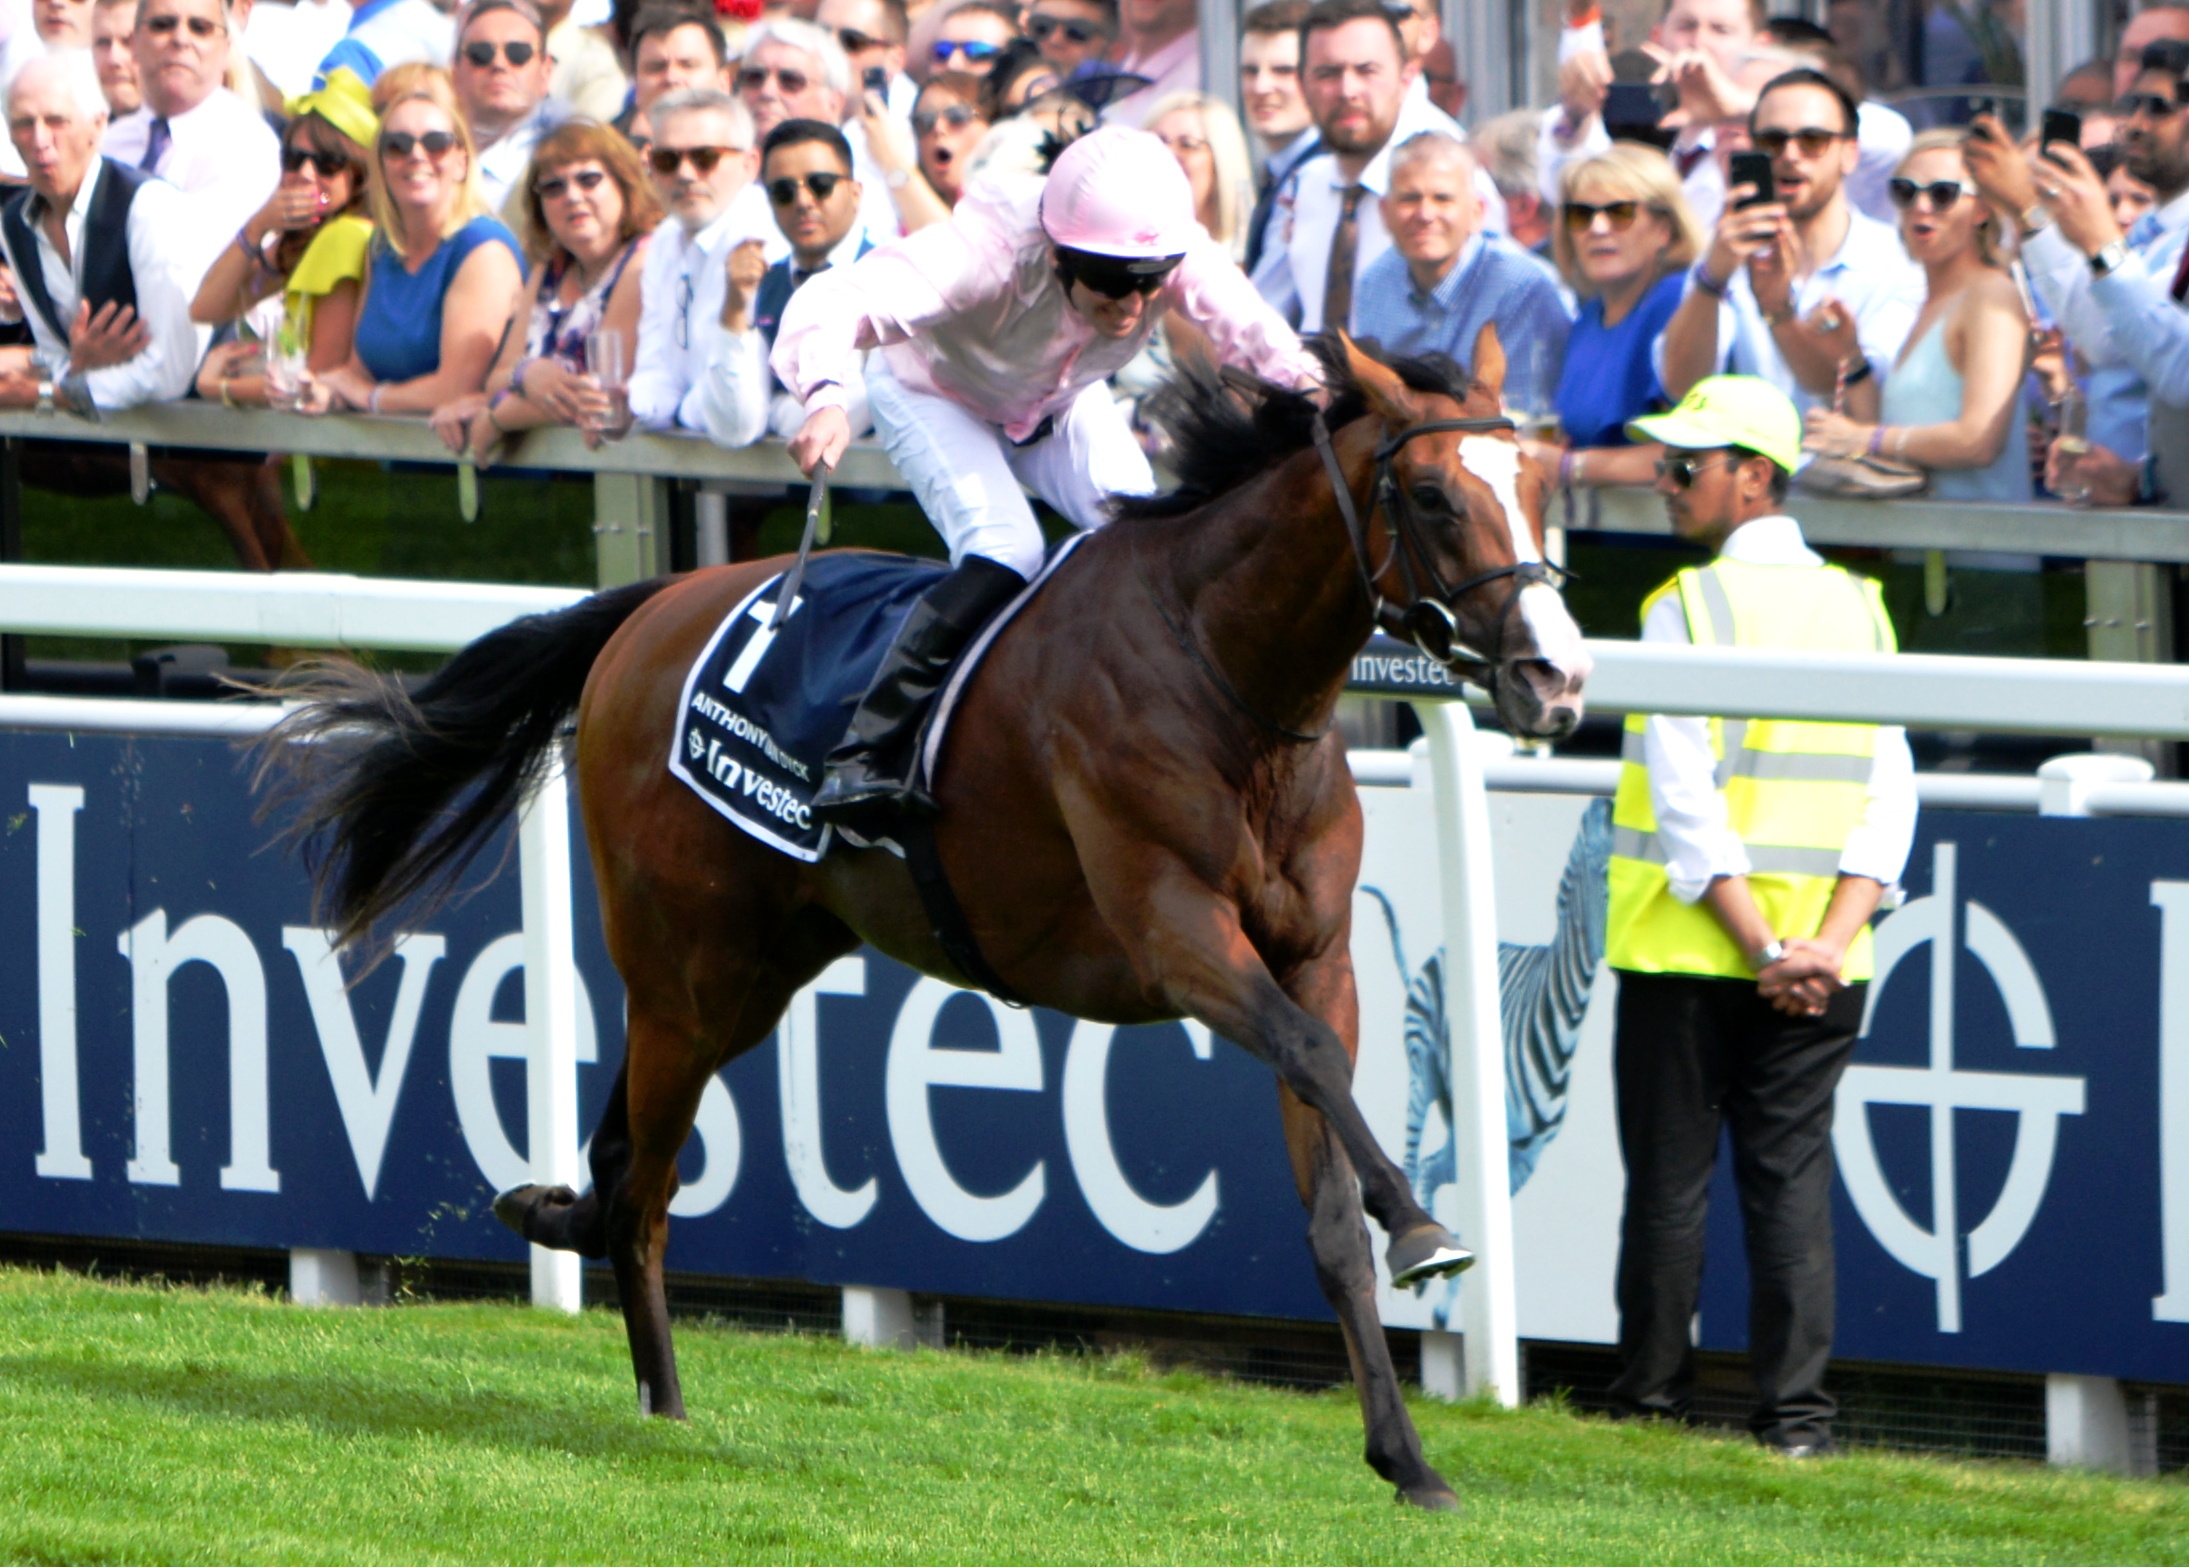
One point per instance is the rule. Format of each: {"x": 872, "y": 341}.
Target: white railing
{"x": 2022, "y": 695}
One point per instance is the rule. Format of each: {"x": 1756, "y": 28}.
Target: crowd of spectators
{"x": 507, "y": 215}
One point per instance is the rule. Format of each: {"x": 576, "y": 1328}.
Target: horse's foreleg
{"x": 1346, "y": 1274}
{"x": 1186, "y": 943}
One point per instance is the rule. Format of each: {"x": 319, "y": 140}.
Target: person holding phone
{"x": 994, "y": 336}
{"x": 2118, "y": 295}
{"x": 1800, "y": 290}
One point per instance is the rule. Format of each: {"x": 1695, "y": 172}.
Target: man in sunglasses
{"x": 993, "y": 335}
{"x": 2118, "y": 297}
{"x": 805, "y": 168}
{"x": 1747, "y": 859}
{"x": 501, "y": 74}
{"x": 191, "y": 130}
{"x": 1071, "y": 33}
{"x": 1803, "y": 291}
{"x": 872, "y": 34}
{"x": 702, "y": 165}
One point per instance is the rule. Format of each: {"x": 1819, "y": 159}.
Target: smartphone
{"x": 2061, "y": 125}
{"x": 876, "y": 79}
{"x": 1754, "y": 168}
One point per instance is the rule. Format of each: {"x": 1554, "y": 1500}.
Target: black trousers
{"x": 1693, "y": 1055}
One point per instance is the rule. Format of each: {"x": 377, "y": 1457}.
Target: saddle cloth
{"x": 762, "y": 710}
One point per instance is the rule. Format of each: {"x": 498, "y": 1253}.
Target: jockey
{"x": 996, "y": 332}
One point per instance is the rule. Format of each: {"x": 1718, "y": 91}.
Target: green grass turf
{"x": 156, "y": 1425}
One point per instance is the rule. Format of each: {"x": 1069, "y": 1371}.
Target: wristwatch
{"x": 1768, "y": 956}
{"x": 2109, "y": 259}
{"x": 45, "y": 397}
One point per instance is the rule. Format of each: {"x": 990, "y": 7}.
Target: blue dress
{"x": 1608, "y": 377}
{"x": 399, "y": 330}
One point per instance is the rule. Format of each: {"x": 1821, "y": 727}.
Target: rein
{"x": 1428, "y": 621}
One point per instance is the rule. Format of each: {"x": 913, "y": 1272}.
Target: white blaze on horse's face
{"x": 1560, "y": 664}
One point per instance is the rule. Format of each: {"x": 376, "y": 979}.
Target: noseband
{"x": 1428, "y": 620}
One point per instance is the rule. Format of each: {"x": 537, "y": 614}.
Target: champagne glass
{"x": 605, "y": 363}
{"x": 285, "y": 366}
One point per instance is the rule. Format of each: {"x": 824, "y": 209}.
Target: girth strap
{"x": 945, "y": 914}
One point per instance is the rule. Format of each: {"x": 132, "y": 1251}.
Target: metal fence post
{"x": 1488, "y": 1310}
{"x": 551, "y": 1015}
{"x": 630, "y": 527}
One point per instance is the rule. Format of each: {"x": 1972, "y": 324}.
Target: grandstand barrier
{"x": 170, "y": 822}
{"x": 2129, "y": 615}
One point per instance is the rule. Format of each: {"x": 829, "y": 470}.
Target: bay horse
{"x": 1146, "y": 811}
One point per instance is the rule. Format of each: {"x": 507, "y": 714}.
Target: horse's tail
{"x": 396, "y": 792}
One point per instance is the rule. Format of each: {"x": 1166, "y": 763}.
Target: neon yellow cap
{"x": 1729, "y": 410}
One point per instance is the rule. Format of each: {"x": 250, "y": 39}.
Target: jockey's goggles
{"x": 1114, "y": 277}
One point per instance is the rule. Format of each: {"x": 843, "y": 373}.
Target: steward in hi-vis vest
{"x": 1747, "y": 859}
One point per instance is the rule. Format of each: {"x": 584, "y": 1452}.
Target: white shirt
{"x": 1699, "y": 842}
{"x": 222, "y": 155}
{"x": 504, "y": 161}
{"x": 1871, "y": 275}
{"x": 739, "y": 400}
{"x": 2061, "y": 275}
{"x": 1295, "y": 263}
{"x": 679, "y": 292}
{"x": 168, "y": 363}
{"x": 287, "y": 42}
{"x": 878, "y": 214}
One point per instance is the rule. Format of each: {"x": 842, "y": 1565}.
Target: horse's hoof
{"x": 1426, "y": 1252}
{"x": 1432, "y": 1498}
{"x": 516, "y": 1206}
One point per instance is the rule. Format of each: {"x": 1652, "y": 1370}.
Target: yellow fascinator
{"x": 345, "y": 102}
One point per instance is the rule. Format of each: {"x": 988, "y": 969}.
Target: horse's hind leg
{"x": 1346, "y": 1271}
{"x": 561, "y": 1219}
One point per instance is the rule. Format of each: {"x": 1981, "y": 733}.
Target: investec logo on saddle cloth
{"x": 763, "y": 708}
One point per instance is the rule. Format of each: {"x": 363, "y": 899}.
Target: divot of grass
{"x": 156, "y": 1425}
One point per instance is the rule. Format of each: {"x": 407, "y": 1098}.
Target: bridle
{"x": 1428, "y": 620}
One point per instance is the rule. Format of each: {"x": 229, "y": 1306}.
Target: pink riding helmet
{"x": 1119, "y": 192}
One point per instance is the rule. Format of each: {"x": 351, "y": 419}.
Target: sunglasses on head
{"x": 329, "y": 164}
{"x": 754, "y": 77}
{"x": 2155, "y": 105}
{"x": 400, "y": 144}
{"x": 559, "y": 184}
{"x": 957, "y": 116}
{"x": 667, "y": 160}
{"x": 783, "y": 191}
{"x": 1942, "y": 193}
{"x": 1038, "y": 28}
{"x": 1115, "y": 277}
{"x": 979, "y": 53}
{"x": 1581, "y": 216}
{"x": 517, "y": 52}
{"x": 199, "y": 26}
{"x": 1813, "y": 141}
{"x": 1682, "y": 467}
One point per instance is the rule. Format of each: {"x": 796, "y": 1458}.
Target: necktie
{"x": 2180, "y": 288}
{"x": 799, "y": 277}
{"x": 1338, "y": 281}
{"x": 155, "y": 147}
{"x": 1686, "y": 158}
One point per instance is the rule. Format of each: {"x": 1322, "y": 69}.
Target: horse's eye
{"x": 1431, "y": 497}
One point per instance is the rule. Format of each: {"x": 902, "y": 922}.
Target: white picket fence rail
{"x": 332, "y": 611}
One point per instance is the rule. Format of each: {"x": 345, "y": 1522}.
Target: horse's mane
{"x": 1225, "y": 427}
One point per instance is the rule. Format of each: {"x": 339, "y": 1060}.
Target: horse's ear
{"x": 1387, "y": 395}
{"x": 1489, "y": 360}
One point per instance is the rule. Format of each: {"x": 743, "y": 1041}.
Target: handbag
{"x": 1862, "y": 478}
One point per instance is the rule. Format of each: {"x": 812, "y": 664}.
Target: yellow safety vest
{"x": 1793, "y": 790}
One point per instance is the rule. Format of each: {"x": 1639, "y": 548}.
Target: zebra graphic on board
{"x": 1543, "y": 993}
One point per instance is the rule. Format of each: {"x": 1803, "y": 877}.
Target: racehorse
{"x": 1145, "y": 809}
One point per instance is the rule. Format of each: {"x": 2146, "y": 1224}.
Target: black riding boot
{"x": 869, "y": 783}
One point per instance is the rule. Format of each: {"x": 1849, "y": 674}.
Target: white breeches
{"x": 967, "y": 476}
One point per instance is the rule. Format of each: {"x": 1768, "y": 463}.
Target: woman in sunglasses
{"x": 1623, "y": 241}
{"x": 1952, "y": 401}
{"x": 306, "y": 245}
{"x": 947, "y": 124}
{"x": 997, "y": 332}
{"x": 443, "y": 273}
{"x": 588, "y": 211}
